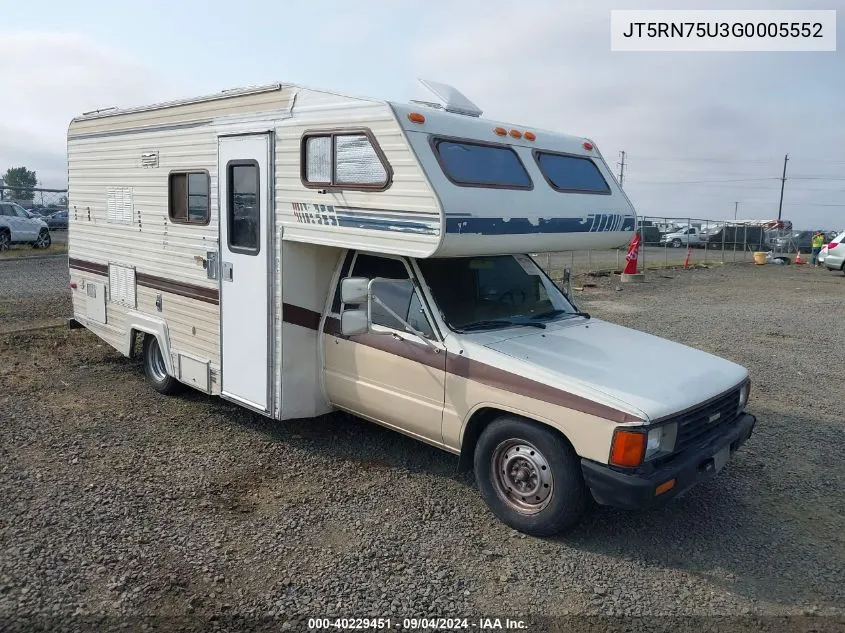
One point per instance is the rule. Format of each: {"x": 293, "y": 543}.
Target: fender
{"x": 137, "y": 322}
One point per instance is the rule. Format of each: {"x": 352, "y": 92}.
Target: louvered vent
{"x": 122, "y": 285}
{"x": 119, "y": 205}
{"x": 149, "y": 159}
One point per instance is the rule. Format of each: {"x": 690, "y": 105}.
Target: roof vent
{"x": 449, "y": 99}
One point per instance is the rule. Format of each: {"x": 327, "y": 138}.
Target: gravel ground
{"x": 33, "y": 292}
{"x": 120, "y": 502}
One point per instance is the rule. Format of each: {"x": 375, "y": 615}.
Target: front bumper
{"x": 636, "y": 488}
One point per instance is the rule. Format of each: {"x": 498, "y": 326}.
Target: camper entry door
{"x": 245, "y": 256}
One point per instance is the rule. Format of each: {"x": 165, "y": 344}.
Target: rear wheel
{"x": 5, "y": 240}
{"x": 529, "y": 476}
{"x": 44, "y": 240}
{"x": 155, "y": 368}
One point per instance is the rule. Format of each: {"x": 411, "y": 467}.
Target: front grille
{"x": 696, "y": 424}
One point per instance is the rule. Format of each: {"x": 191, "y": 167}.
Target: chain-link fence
{"x": 678, "y": 242}
{"x": 40, "y": 201}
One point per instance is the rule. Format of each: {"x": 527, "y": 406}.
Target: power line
{"x": 711, "y": 181}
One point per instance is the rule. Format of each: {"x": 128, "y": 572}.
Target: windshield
{"x": 493, "y": 292}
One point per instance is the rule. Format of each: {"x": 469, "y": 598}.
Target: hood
{"x": 656, "y": 376}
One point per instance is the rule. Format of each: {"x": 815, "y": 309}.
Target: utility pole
{"x": 622, "y": 168}
{"x": 782, "y": 183}
{"x": 736, "y": 206}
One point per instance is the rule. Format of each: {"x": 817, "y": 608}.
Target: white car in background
{"x": 834, "y": 258}
{"x": 17, "y": 227}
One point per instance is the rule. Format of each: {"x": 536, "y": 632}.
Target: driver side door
{"x": 389, "y": 375}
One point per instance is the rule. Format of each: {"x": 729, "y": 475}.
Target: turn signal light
{"x": 530, "y": 136}
{"x": 516, "y": 134}
{"x": 628, "y": 448}
{"x": 666, "y": 486}
{"x": 588, "y": 146}
{"x": 416, "y": 117}
{"x": 500, "y": 131}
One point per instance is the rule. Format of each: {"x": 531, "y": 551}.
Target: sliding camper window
{"x": 188, "y": 197}
{"x": 478, "y": 164}
{"x": 570, "y": 173}
{"x": 343, "y": 159}
{"x": 243, "y": 219}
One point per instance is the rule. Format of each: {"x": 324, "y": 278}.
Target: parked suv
{"x": 684, "y": 237}
{"x": 835, "y": 257}
{"x": 17, "y": 227}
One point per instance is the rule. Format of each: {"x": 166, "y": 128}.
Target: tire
{"x": 556, "y": 496}
{"x": 44, "y": 240}
{"x": 5, "y": 240}
{"x": 676, "y": 243}
{"x": 155, "y": 369}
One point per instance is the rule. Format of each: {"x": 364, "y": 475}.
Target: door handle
{"x": 227, "y": 271}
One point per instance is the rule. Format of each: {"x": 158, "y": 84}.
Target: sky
{"x": 701, "y": 131}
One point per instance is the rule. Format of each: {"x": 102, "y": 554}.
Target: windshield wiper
{"x": 553, "y": 313}
{"x": 494, "y": 323}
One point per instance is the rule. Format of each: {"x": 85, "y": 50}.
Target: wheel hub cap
{"x": 521, "y": 476}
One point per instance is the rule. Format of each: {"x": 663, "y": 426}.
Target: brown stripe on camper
{"x": 303, "y": 317}
{"x": 89, "y": 267}
{"x": 483, "y": 373}
{"x": 190, "y": 291}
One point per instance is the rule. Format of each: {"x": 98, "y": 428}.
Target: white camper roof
{"x": 458, "y": 184}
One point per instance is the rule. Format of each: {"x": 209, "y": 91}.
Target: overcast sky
{"x": 682, "y": 118}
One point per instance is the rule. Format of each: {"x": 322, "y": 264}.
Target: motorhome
{"x": 299, "y": 251}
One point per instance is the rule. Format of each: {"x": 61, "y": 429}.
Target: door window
{"x": 244, "y": 207}
{"x": 402, "y": 298}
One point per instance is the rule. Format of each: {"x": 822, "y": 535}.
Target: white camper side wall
{"x": 403, "y": 219}
{"x": 304, "y": 275}
{"x": 166, "y": 257}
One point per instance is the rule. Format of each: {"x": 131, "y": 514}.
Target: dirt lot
{"x": 120, "y": 502}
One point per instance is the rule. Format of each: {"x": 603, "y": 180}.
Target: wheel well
{"x": 476, "y": 425}
{"x": 4, "y": 229}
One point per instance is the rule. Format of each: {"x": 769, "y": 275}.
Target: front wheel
{"x": 676, "y": 243}
{"x": 5, "y": 240}
{"x": 529, "y": 476}
{"x": 44, "y": 240}
{"x": 155, "y": 368}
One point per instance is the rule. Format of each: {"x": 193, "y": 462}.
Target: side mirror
{"x": 354, "y": 289}
{"x": 353, "y": 322}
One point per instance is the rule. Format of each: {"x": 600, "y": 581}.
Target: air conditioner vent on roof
{"x": 451, "y": 99}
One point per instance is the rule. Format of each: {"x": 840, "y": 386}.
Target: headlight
{"x": 661, "y": 439}
{"x": 743, "y": 395}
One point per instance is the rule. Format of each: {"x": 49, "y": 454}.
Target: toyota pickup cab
{"x": 486, "y": 358}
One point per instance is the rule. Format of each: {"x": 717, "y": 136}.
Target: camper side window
{"x": 343, "y": 160}
{"x": 188, "y": 197}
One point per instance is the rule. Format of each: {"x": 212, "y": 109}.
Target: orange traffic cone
{"x": 686, "y": 261}
{"x": 798, "y": 259}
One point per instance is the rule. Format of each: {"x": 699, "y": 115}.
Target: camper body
{"x": 298, "y": 251}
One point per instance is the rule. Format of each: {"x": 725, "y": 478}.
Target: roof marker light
{"x": 516, "y": 134}
{"x": 587, "y": 145}
{"x": 500, "y": 131}
{"x": 416, "y": 117}
{"x": 530, "y": 136}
